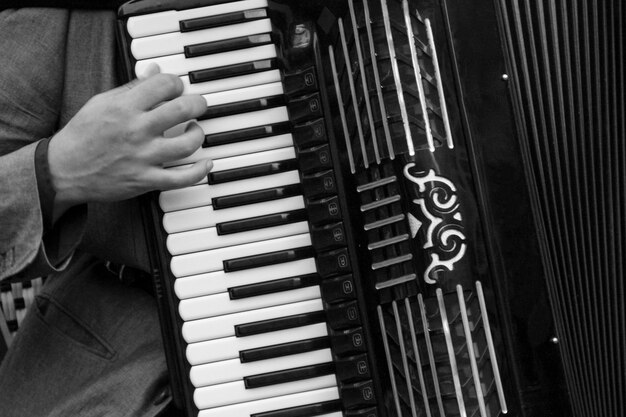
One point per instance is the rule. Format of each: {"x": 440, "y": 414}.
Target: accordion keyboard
{"x": 244, "y": 243}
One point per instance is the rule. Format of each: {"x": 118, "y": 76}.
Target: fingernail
{"x": 190, "y": 125}
{"x": 152, "y": 69}
{"x": 209, "y": 165}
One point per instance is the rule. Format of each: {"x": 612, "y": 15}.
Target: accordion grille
{"x": 566, "y": 62}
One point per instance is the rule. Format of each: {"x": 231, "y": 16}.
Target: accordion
{"x": 416, "y": 207}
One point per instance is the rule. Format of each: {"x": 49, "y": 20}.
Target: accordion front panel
{"x": 365, "y": 244}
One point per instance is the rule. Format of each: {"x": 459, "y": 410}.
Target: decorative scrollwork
{"x": 439, "y": 206}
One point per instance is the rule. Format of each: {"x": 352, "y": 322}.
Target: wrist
{"x": 62, "y": 180}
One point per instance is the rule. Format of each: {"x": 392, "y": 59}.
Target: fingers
{"x": 176, "y": 111}
{"x": 179, "y": 147}
{"x": 151, "y": 69}
{"x": 159, "y": 95}
{"x": 176, "y": 178}
{"x": 152, "y": 91}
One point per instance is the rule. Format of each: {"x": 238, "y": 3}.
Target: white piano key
{"x": 175, "y": 42}
{"x": 231, "y": 83}
{"x": 200, "y": 217}
{"x": 221, "y": 304}
{"x": 242, "y": 94}
{"x": 201, "y": 195}
{"x": 236, "y": 392}
{"x": 244, "y": 120}
{"x": 207, "y": 239}
{"x": 253, "y": 158}
{"x": 239, "y": 148}
{"x": 212, "y": 260}
{"x": 224, "y": 326}
{"x": 180, "y": 65}
{"x": 220, "y": 281}
{"x": 234, "y": 370}
{"x": 229, "y": 347}
{"x": 249, "y": 408}
{"x": 168, "y": 21}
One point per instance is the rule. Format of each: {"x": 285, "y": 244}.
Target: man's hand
{"x": 114, "y": 148}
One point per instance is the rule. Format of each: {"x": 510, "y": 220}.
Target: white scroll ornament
{"x": 440, "y": 238}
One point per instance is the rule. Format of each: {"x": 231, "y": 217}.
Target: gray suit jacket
{"x": 21, "y": 247}
{"x": 90, "y": 345}
{"x": 42, "y": 86}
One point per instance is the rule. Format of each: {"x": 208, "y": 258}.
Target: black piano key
{"x": 240, "y": 135}
{"x": 242, "y": 107}
{"x": 252, "y": 171}
{"x": 308, "y": 410}
{"x": 244, "y": 68}
{"x": 225, "y": 45}
{"x": 271, "y": 258}
{"x": 207, "y": 22}
{"x": 12, "y": 325}
{"x": 280, "y": 323}
{"x": 260, "y": 222}
{"x": 19, "y": 303}
{"x": 288, "y": 375}
{"x": 257, "y": 196}
{"x": 277, "y": 285}
{"x": 284, "y": 349}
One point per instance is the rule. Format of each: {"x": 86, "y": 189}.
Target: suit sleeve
{"x": 20, "y": 215}
{"x": 23, "y": 252}
{"x": 30, "y": 102}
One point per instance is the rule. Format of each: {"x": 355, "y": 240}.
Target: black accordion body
{"x": 416, "y": 207}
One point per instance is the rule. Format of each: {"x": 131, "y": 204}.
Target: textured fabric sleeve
{"x": 22, "y": 249}
{"x": 20, "y": 213}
